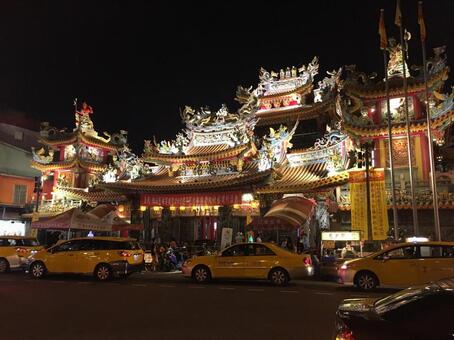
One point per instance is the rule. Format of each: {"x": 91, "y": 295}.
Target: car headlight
{"x": 187, "y": 262}
{"x": 344, "y": 267}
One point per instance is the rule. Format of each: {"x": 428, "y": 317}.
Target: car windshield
{"x": 403, "y": 297}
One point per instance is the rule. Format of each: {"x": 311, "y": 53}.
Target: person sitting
{"x": 348, "y": 251}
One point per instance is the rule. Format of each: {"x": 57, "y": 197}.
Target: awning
{"x": 269, "y": 223}
{"x": 102, "y": 218}
{"x": 294, "y": 210}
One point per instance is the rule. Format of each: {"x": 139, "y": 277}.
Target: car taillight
{"x": 345, "y": 334}
{"x": 307, "y": 261}
{"x": 124, "y": 254}
{"x": 21, "y": 250}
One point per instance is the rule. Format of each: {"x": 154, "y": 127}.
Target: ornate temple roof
{"x": 399, "y": 128}
{"x": 166, "y": 184}
{"x": 303, "y": 178}
{"x": 415, "y": 85}
{"x": 90, "y": 196}
{"x": 201, "y": 153}
{"x": 68, "y": 164}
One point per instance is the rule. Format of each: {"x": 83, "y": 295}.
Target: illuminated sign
{"x": 341, "y": 236}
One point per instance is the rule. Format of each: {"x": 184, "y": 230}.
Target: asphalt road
{"x": 166, "y": 306}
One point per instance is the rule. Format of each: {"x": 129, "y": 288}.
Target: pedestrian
{"x": 348, "y": 251}
{"x": 290, "y": 244}
{"x": 258, "y": 238}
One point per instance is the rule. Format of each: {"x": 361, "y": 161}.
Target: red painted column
{"x": 417, "y": 107}
{"x": 425, "y": 157}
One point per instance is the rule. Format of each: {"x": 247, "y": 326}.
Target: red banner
{"x": 176, "y": 200}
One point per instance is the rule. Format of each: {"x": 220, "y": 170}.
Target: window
{"x": 400, "y": 253}
{"x": 68, "y": 246}
{"x": 448, "y": 251}
{"x": 261, "y": 250}
{"x": 430, "y": 251}
{"x": 13, "y": 242}
{"x": 239, "y": 250}
{"x": 30, "y": 242}
{"x": 18, "y": 135}
{"x": 20, "y": 194}
{"x": 4, "y": 242}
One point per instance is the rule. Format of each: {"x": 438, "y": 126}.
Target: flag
{"x": 398, "y": 19}
{"x": 422, "y": 25}
{"x": 382, "y": 31}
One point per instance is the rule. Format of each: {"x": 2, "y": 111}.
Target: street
{"x": 167, "y": 306}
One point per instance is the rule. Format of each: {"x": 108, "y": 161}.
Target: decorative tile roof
{"x": 271, "y": 116}
{"x": 396, "y": 88}
{"x": 303, "y": 178}
{"x": 202, "y": 153}
{"x": 397, "y": 129}
{"x": 91, "y": 196}
{"x": 165, "y": 184}
{"x": 68, "y": 164}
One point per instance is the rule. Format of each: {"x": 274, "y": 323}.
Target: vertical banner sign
{"x": 357, "y": 181}
{"x": 379, "y": 206}
{"x": 378, "y": 203}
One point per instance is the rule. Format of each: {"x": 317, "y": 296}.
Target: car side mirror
{"x": 385, "y": 258}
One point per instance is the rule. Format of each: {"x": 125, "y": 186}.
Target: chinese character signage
{"x": 340, "y": 235}
{"x": 358, "y": 203}
{"x": 201, "y": 199}
{"x": 378, "y": 204}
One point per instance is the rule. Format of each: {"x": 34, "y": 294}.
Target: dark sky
{"x": 138, "y": 62}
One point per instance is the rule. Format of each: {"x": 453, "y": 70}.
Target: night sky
{"x": 138, "y": 62}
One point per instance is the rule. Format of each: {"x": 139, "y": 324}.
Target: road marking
{"x": 113, "y": 283}
{"x": 322, "y": 293}
{"x": 196, "y": 287}
{"x": 84, "y": 283}
{"x": 167, "y": 286}
{"x": 139, "y": 285}
{"x": 256, "y": 290}
{"x": 227, "y": 288}
{"x": 289, "y": 291}
{"x": 58, "y": 281}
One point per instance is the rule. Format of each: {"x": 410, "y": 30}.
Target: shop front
{"x": 195, "y": 217}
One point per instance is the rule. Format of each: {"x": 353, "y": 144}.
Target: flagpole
{"x": 407, "y": 123}
{"x": 383, "y": 43}
{"x": 390, "y": 150}
{"x": 429, "y": 128}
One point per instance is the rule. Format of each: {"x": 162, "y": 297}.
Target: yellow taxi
{"x": 265, "y": 261}
{"x": 14, "y": 251}
{"x": 103, "y": 257}
{"x": 402, "y": 265}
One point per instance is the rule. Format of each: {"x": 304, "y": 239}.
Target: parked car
{"x": 14, "y": 251}
{"x": 419, "y": 312}
{"x": 401, "y": 265}
{"x": 103, "y": 257}
{"x": 250, "y": 261}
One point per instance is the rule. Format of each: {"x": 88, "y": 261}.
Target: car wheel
{"x": 103, "y": 272}
{"x": 279, "y": 277}
{"x": 201, "y": 274}
{"x": 37, "y": 270}
{"x": 366, "y": 281}
{"x": 4, "y": 265}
